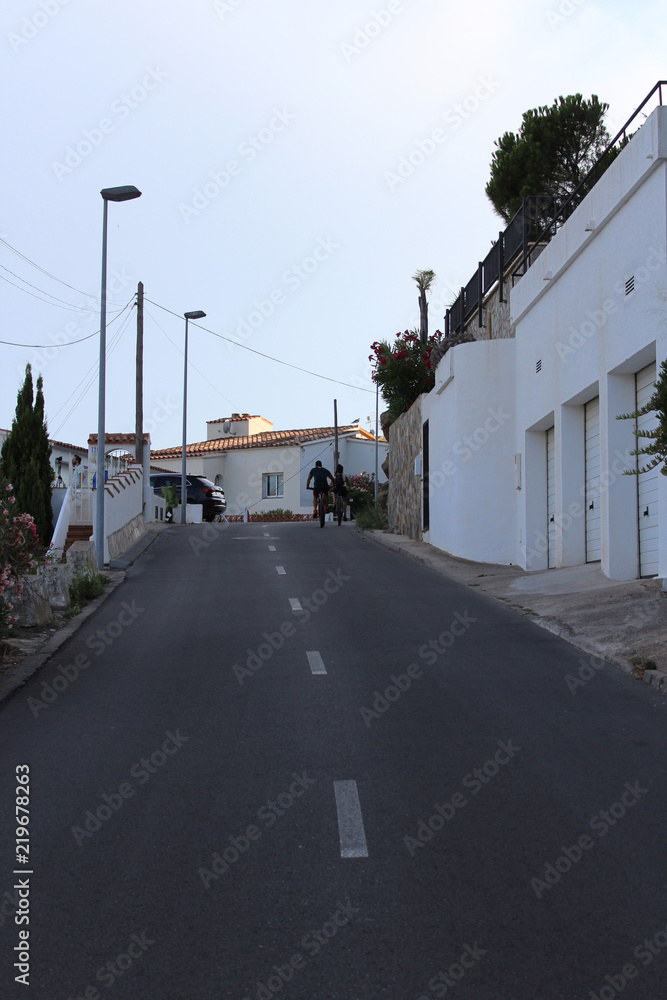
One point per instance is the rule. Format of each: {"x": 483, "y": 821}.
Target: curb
{"x": 127, "y": 558}
{"x": 17, "y": 674}
{"x": 656, "y": 679}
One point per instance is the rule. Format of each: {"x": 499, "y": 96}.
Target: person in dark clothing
{"x": 341, "y": 489}
{"x": 320, "y": 478}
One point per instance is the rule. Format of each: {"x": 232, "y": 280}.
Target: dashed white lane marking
{"x": 295, "y": 604}
{"x": 267, "y": 534}
{"x": 316, "y": 662}
{"x": 272, "y": 548}
{"x": 350, "y": 822}
{"x": 281, "y": 570}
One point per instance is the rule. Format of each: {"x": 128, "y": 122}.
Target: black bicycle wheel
{"x": 339, "y": 509}
{"x": 322, "y": 512}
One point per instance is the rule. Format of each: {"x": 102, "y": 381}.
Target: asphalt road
{"x": 403, "y": 790}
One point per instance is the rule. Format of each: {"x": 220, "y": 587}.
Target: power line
{"x": 89, "y": 377}
{"x": 116, "y": 316}
{"x": 261, "y": 354}
{"x": 190, "y": 364}
{"x": 32, "y": 263}
{"x": 65, "y": 304}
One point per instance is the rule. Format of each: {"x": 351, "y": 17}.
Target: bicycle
{"x": 339, "y": 508}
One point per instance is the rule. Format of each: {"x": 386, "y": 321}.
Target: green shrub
{"x": 86, "y": 586}
{"x": 370, "y": 519}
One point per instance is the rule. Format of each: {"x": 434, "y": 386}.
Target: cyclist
{"x": 320, "y": 478}
{"x": 340, "y": 489}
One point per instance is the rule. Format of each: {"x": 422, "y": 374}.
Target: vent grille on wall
{"x": 538, "y": 366}
{"x": 629, "y": 284}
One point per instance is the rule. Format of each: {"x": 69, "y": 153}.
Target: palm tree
{"x": 424, "y": 281}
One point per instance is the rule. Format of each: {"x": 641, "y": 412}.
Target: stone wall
{"x": 47, "y": 590}
{"x": 404, "y": 501}
{"x": 126, "y": 536}
{"x": 495, "y": 317}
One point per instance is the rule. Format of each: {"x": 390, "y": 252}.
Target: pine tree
{"x": 25, "y": 457}
{"x": 551, "y": 153}
{"x": 656, "y": 451}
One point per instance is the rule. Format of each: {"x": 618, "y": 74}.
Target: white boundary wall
{"x": 578, "y": 336}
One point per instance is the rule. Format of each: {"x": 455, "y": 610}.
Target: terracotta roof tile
{"x": 267, "y": 439}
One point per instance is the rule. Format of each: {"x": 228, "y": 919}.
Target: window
{"x": 272, "y": 484}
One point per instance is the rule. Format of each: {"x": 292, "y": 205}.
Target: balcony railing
{"x": 534, "y": 225}
{"x": 81, "y": 506}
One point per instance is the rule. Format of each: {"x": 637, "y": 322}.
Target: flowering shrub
{"x": 405, "y": 370}
{"x": 18, "y": 540}
{"x": 361, "y": 490}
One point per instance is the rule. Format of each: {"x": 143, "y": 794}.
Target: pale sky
{"x": 266, "y": 138}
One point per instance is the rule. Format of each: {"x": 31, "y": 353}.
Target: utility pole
{"x": 139, "y": 418}
{"x": 335, "y": 435}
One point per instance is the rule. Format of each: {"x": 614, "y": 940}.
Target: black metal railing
{"x": 534, "y": 225}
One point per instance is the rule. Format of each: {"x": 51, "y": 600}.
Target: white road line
{"x": 316, "y": 662}
{"x": 272, "y": 548}
{"x": 267, "y": 534}
{"x": 281, "y": 570}
{"x": 295, "y": 604}
{"x": 350, "y": 822}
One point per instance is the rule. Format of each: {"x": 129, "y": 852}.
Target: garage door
{"x": 551, "y": 498}
{"x": 592, "y": 465}
{"x": 647, "y": 482}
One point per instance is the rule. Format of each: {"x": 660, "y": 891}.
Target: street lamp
{"x": 196, "y": 314}
{"x": 108, "y": 194}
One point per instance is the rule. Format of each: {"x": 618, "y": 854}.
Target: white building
{"x": 61, "y": 459}
{"x": 525, "y": 452}
{"x": 263, "y": 469}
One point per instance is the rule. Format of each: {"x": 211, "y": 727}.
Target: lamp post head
{"x": 195, "y": 314}
{"x": 120, "y": 193}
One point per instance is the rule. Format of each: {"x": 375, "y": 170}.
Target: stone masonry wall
{"x": 404, "y": 501}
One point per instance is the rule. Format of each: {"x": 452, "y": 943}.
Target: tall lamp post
{"x": 196, "y": 314}
{"x": 126, "y": 193}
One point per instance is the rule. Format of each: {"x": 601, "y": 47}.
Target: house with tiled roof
{"x": 61, "y": 458}
{"x": 263, "y": 469}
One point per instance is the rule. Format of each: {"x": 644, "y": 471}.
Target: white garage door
{"x": 647, "y": 482}
{"x": 551, "y": 498}
{"x": 592, "y": 421}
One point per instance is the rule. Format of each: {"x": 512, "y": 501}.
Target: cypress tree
{"x": 25, "y": 457}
